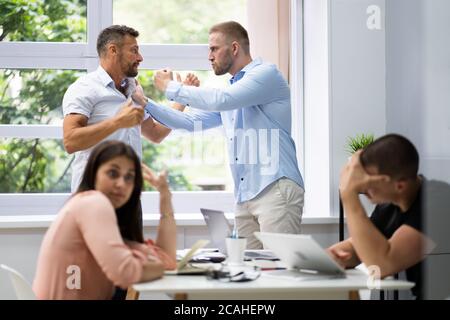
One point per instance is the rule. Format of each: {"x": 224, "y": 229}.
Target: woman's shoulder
{"x": 91, "y": 200}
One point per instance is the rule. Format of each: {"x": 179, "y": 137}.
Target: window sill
{"x": 150, "y": 220}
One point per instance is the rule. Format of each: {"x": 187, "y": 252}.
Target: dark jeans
{"x": 119, "y": 294}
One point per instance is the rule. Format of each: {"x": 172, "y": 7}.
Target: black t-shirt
{"x": 388, "y": 218}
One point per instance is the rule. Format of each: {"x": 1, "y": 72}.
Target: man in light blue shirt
{"x": 256, "y": 114}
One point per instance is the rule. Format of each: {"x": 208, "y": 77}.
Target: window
{"x": 34, "y": 165}
{"x": 176, "y": 21}
{"x": 50, "y": 44}
{"x": 41, "y": 56}
{"x": 33, "y": 96}
{"x": 43, "y": 20}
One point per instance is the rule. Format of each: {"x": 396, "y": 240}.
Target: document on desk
{"x": 260, "y": 255}
{"x": 183, "y": 266}
{"x": 297, "y": 275}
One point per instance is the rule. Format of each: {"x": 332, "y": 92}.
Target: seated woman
{"x": 95, "y": 242}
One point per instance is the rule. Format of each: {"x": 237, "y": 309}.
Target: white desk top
{"x": 355, "y": 280}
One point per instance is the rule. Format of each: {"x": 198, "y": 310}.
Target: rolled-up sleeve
{"x": 77, "y": 101}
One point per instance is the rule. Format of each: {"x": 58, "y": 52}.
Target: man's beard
{"x": 224, "y": 67}
{"x": 131, "y": 71}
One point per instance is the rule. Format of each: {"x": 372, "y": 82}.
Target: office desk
{"x": 265, "y": 287}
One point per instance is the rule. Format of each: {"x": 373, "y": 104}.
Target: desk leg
{"x": 132, "y": 294}
{"x": 180, "y": 296}
{"x": 353, "y": 295}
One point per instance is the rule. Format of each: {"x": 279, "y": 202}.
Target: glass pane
{"x": 177, "y": 21}
{"x": 43, "y": 20}
{"x": 193, "y": 162}
{"x": 34, "y": 96}
{"x": 42, "y": 165}
{"x": 37, "y": 165}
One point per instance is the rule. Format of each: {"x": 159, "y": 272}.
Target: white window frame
{"x": 83, "y": 56}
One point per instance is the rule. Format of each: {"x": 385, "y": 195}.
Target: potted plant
{"x": 360, "y": 141}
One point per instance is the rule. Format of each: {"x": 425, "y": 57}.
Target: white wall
{"x": 344, "y": 91}
{"x": 357, "y": 79}
{"x": 418, "y": 100}
{"x": 419, "y": 79}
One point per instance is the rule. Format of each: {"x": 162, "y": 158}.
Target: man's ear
{"x": 235, "y": 47}
{"x": 113, "y": 49}
{"x": 400, "y": 185}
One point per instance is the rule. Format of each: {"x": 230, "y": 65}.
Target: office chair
{"x": 21, "y": 287}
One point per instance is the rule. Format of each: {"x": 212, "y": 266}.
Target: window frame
{"x": 83, "y": 56}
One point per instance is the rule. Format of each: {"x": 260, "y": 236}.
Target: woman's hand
{"x": 159, "y": 182}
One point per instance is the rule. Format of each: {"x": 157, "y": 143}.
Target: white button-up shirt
{"x": 96, "y": 97}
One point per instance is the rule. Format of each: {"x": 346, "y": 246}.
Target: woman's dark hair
{"x": 129, "y": 216}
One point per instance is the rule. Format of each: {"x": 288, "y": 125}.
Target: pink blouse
{"x": 83, "y": 255}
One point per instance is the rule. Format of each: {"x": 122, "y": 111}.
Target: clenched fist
{"x": 129, "y": 115}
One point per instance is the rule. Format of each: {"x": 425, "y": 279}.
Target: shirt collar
{"x": 105, "y": 78}
{"x": 238, "y": 76}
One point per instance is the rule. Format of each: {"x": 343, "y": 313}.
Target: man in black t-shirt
{"x": 392, "y": 238}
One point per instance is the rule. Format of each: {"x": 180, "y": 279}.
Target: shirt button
{"x": 236, "y": 159}
{"x": 242, "y": 179}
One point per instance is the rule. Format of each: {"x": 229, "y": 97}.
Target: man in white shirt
{"x": 98, "y": 106}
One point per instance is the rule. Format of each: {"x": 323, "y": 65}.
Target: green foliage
{"x": 145, "y": 79}
{"x": 35, "y": 96}
{"x": 360, "y": 141}
{"x": 179, "y": 21}
{"x": 43, "y": 20}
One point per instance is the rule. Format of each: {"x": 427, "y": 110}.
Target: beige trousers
{"x": 278, "y": 208}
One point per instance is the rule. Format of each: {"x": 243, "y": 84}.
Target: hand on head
{"x": 354, "y": 179}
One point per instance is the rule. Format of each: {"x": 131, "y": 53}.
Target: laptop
{"x": 183, "y": 266}
{"x": 219, "y": 229}
{"x": 302, "y": 255}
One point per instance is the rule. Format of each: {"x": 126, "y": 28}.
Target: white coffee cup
{"x": 235, "y": 250}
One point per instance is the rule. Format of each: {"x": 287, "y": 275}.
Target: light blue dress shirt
{"x": 255, "y": 112}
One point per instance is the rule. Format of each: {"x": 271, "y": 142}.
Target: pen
{"x": 234, "y": 232}
{"x": 270, "y": 269}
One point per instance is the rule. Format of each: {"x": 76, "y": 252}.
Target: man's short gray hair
{"x": 113, "y": 34}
